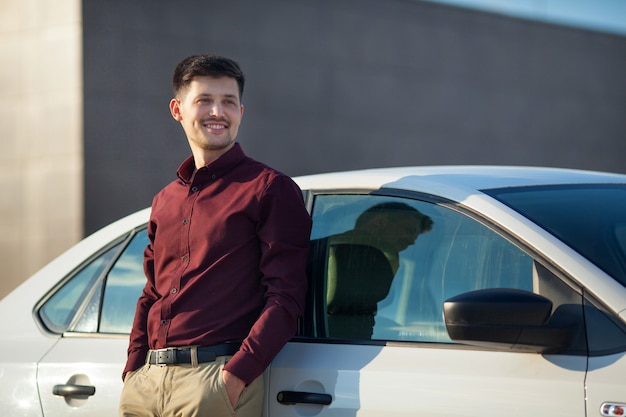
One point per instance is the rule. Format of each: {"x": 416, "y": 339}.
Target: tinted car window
{"x": 591, "y": 219}
{"x": 373, "y": 291}
{"x": 606, "y": 333}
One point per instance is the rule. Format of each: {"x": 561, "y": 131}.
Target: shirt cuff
{"x": 245, "y": 367}
{"x": 135, "y": 361}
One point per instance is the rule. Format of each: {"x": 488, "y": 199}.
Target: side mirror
{"x": 509, "y": 319}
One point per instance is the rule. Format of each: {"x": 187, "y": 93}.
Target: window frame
{"x": 312, "y": 326}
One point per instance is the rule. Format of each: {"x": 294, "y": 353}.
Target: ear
{"x": 175, "y": 110}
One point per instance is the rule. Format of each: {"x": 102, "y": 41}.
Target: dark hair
{"x": 206, "y": 65}
{"x": 425, "y": 222}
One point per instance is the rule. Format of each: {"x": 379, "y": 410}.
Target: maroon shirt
{"x": 226, "y": 262}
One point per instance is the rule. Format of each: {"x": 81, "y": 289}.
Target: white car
{"x": 513, "y": 304}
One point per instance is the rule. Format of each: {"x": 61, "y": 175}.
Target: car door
{"x": 396, "y": 358}
{"x": 93, "y": 309}
{"x": 606, "y": 389}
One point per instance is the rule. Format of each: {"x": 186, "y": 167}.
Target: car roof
{"x": 454, "y": 181}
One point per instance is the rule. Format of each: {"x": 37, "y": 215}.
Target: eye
{"x": 204, "y": 99}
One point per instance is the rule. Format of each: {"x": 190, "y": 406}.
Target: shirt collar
{"x": 217, "y": 168}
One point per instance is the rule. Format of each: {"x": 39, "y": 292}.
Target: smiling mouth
{"x": 216, "y": 125}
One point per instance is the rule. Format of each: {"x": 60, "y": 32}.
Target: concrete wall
{"x": 343, "y": 84}
{"x": 40, "y": 134}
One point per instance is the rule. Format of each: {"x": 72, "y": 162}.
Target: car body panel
{"x": 408, "y": 380}
{"x": 605, "y": 382}
{"x": 19, "y": 392}
{"x": 83, "y": 360}
{"x": 430, "y": 179}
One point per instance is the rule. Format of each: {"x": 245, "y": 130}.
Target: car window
{"x": 123, "y": 287}
{"x": 572, "y": 213}
{"x": 378, "y": 284}
{"x": 620, "y": 236}
{"x": 68, "y": 302}
{"x": 102, "y": 295}
{"x": 606, "y": 334}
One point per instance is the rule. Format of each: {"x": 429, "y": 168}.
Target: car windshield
{"x": 590, "y": 218}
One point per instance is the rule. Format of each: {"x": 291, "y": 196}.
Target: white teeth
{"x": 215, "y": 127}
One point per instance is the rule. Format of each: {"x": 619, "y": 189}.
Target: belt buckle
{"x": 165, "y": 356}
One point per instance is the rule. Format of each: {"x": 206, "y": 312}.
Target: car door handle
{"x": 73, "y": 390}
{"x": 299, "y": 397}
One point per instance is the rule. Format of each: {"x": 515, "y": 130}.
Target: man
{"x": 225, "y": 265}
{"x": 362, "y": 263}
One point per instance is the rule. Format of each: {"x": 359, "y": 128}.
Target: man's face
{"x": 210, "y": 112}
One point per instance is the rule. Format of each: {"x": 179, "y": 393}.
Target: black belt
{"x": 178, "y": 355}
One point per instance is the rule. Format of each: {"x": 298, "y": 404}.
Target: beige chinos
{"x": 186, "y": 390}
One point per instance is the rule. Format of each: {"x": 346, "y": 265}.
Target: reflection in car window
{"x": 123, "y": 287}
{"x": 398, "y": 291}
{"x": 60, "y": 310}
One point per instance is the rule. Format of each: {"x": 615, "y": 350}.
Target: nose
{"x": 216, "y": 109}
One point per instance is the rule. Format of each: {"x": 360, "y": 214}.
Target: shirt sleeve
{"x": 284, "y": 230}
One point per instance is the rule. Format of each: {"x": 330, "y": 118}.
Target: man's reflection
{"x": 362, "y": 263}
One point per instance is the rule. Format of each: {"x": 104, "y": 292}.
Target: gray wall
{"x": 346, "y": 84}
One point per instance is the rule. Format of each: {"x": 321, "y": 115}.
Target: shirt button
{"x": 185, "y": 258}
{"x": 185, "y": 221}
{"x": 174, "y": 290}
{"x": 163, "y": 322}
{"x": 194, "y": 189}
{"x": 213, "y": 176}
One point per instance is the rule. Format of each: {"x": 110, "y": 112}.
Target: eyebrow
{"x": 220, "y": 95}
